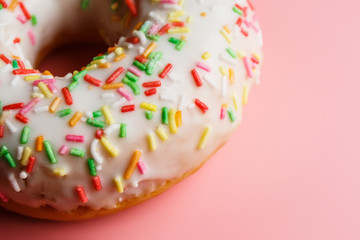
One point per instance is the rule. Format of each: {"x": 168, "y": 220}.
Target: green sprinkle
{"x": 180, "y": 45}
{"x": 77, "y": 152}
{"x": 50, "y": 152}
{"x": 64, "y": 112}
{"x": 25, "y": 135}
{"x": 152, "y": 55}
{"x": 165, "y": 115}
{"x": 73, "y": 85}
{"x": 3, "y": 150}
{"x": 85, "y": 4}
{"x": 132, "y": 77}
{"x": 150, "y": 67}
{"x": 145, "y": 27}
{"x": 1, "y": 6}
{"x": 92, "y": 168}
{"x": 139, "y": 65}
{"x": 174, "y": 40}
{"x": 99, "y": 57}
{"x": 79, "y": 75}
{"x": 95, "y": 123}
{"x": 15, "y": 64}
{"x": 33, "y": 20}
{"x": 10, "y": 159}
{"x": 0, "y": 107}
{"x": 132, "y": 85}
{"x": 97, "y": 114}
{"x": 231, "y": 52}
{"x": 148, "y": 115}
{"x": 238, "y": 11}
{"x": 231, "y": 115}
{"x": 154, "y": 37}
{"x": 123, "y": 129}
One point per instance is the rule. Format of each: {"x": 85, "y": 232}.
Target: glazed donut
{"x": 135, "y": 120}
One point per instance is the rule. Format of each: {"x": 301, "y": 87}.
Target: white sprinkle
{"x": 210, "y": 80}
{"x": 19, "y": 152}
{"x": 94, "y": 152}
{"x": 41, "y": 109}
{"x": 118, "y": 103}
{"x": 181, "y": 102}
{"x": 223, "y": 86}
{"x": 14, "y": 184}
{"x": 112, "y": 128}
{"x": 83, "y": 119}
{"x": 88, "y": 114}
{"x": 23, "y": 175}
{"x": 11, "y": 126}
{"x": 121, "y": 41}
{"x": 141, "y": 36}
{"x": 15, "y": 80}
{"x": 107, "y": 95}
{"x": 156, "y": 17}
{"x": 191, "y": 106}
{"x": 168, "y": 97}
{"x": 99, "y": 167}
{"x": 224, "y": 57}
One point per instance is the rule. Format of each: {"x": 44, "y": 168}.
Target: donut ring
{"x": 133, "y": 122}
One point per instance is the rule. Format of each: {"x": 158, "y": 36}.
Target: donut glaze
{"x": 182, "y": 73}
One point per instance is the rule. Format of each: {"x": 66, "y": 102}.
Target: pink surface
{"x": 291, "y": 171}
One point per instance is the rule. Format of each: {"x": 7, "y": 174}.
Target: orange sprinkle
{"x": 39, "y": 143}
{"x": 138, "y": 26}
{"x": 149, "y": 49}
{"x": 111, "y": 86}
{"x": 178, "y": 119}
{"x": 46, "y": 72}
{"x": 16, "y": 57}
{"x": 104, "y": 65}
{"x": 231, "y": 76}
{"x": 227, "y": 29}
{"x": 134, "y": 160}
{"x": 120, "y": 57}
{"x": 13, "y": 5}
{"x": 75, "y": 119}
{"x": 203, "y": 14}
{"x": 55, "y": 104}
{"x": 111, "y": 49}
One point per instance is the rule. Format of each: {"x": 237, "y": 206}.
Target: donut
{"x": 166, "y": 94}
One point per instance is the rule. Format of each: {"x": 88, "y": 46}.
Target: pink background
{"x": 291, "y": 171}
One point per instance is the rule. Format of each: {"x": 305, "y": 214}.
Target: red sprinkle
{"x": 81, "y": 193}
{"x": 243, "y": 31}
{"x": 150, "y": 92}
{"x": 99, "y": 133}
{"x": 128, "y": 108}
{"x": 67, "y": 96}
{"x": 116, "y": 74}
{"x": 13, "y": 106}
{"x": 92, "y": 80}
{"x": 2, "y": 129}
{"x": 132, "y": 7}
{"x": 97, "y": 183}
{"x": 17, "y": 40}
{"x": 239, "y": 21}
{"x": 5, "y": 59}
{"x": 21, "y": 64}
{"x": 166, "y": 70}
{"x": 25, "y": 71}
{"x": 164, "y": 29}
{"x": 197, "y": 78}
{"x": 201, "y": 105}
{"x": 254, "y": 60}
{"x": 152, "y": 84}
{"x": 250, "y": 5}
{"x": 178, "y": 24}
{"x": 133, "y": 40}
{"x": 22, "y": 118}
{"x": 3, "y": 3}
{"x": 140, "y": 59}
{"x": 31, "y": 163}
{"x": 25, "y": 11}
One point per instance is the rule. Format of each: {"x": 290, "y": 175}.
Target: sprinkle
{"x": 75, "y": 119}
{"x": 13, "y": 106}
{"x": 226, "y": 36}
{"x": 39, "y": 143}
{"x": 29, "y": 106}
{"x": 5, "y": 59}
{"x": 125, "y": 94}
{"x": 20, "y": 151}
{"x": 2, "y": 130}
{"x": 81, "y": 193}
{"x": 25, "y": 11}
{"x": 128, "y": 108}
{"x": 245, "y": 94}
{"x": 3, "y": 3}
{"x": 231, "y": 76}
{"x": 97, "y": 183}
{"x": 99, "y": 133}
{"x": 123, "y": 130}
{"x": 13, "y": 182}
{"x": 196, "y": 77}
{"x": 32, "y": 37}
{"x": 201, "y": 105}
{"x": 50, "y": 152}
{"x": 231, "y": 52}
{"x": 60, "y": 172}
{"x": 206, "y": 56}
{"x": 33, "y": 20}
{"x": 135, "y": 88}
{"x": 25, "y": 135}
{"x": 85, "y": 4}
{"x": 95, "y": 123}
{"x": 64, "y": 112}
{"x": 108, "y": 147}
{"x": 164, "y": 29}
{"x": 119, "y": 184}
{"x": 148, "y": 106}
{"x": 150, "y": 92}
{"x": 3, "y": 197}
{"x": 132, "y": 77}
{"x": 45, "y": 90}
{"x": 25, "y": 71}
{"x": 231, "y": 115}
{"x": 77, "y": 152}
{"x": 63, "y": 150}
{"x": 21, "y": 118}
{"x": 26, "y": 156}
{"x": 55, "y": 104}
{"x": 115, "y": 75}
{"x": 112, "y": 86}
{"x": 132, "y": 7}
{"x": 152, "y": 84}
{"x": 31, "y": 163}
{"x": 165, "y": 115}
{"x": 134, "y": 160}
{"x": 166, "y": 71}
{"x": 107, "y": 114}
{"x": 92, "y": 80}
{"x": 160, "y": 131}
{"x": 204, "y": 137}
{"x": 152, "y": 142}
{"x": 172, "y": 121}
{"x": 149, "y": 49}
{"x": 178, "y": 119}
{"x": 141, "y": 167}
{"x": 75, "y": 138}
{"x": 248, "y": 67}
{"x": 92, "y": 167}
{"x": 176, "y": 30}
{"x": 203, "y": 66}
{"x": 79, "y": 75}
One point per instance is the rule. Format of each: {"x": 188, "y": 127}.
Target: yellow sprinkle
{"x": 226, "y": 36}
{"x": 172, "y": 121}
{"x": 149, "y": 49}
{"x": 134, "y": 160}
{"x": 152, "y": 142}
{"x": 148, "y": 106}
{"x": 231, "y": 76}
{"x": 99, "y": 61}
{"x": 204, "y": 137}
{"x": 75, "y": 72}
{"x": 245, "y": 95}
{"x": 75, "y": 119}
{"x": 120, "y": 57}
{"x": 189, "y": 19}
{"x": 181, "y": 2}
{"x": 111, "y": 86}
{"x": 109, "y": 148}
{"x": 176, "y": 14}
{"x": 37, "y": 95}
{"x": 4, "y": 116}
{"x": 236, "y": 102}
{"x": 206, "y": 56}
{"x": 223, "y": 71}
{"x": 32, "y": 77}
{"x": 227, "y": 29}
{"x": 45, "y": 90}
{"x": 60, "y": 172}
{"x": 47, "y": 73}
{"x": 92, "y": 67}
{"x": 119, "y": 184}
{"x": 107, "y": 114}
{"x": 26, "y": 156}
{"x": 160, "y": 131}
{"x": 256, "y": 56}
{"x": 178, "y": 119}
{"x": 55, "y": 104}
{"x": 176, "y": 30}
{"x": 119, "y": 50}
{"x": 240, "y": 54}
{"x": 174, "y": 19}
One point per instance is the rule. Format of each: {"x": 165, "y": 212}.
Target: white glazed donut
{"x": 134, "y": 121}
